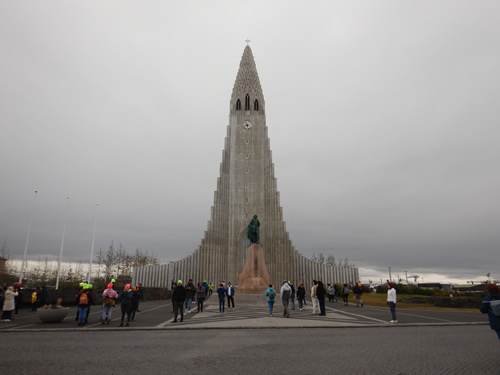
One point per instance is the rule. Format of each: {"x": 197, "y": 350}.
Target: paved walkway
{"x": 251, "y": 311}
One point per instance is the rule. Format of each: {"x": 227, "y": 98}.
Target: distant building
{"x": 447, "y": 287}
{"x": 478, "y": 287}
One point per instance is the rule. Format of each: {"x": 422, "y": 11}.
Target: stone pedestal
{"x": 254, "y": 278}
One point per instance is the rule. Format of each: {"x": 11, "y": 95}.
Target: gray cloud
{"x": 382, "y": 117}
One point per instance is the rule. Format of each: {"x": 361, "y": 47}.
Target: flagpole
{"x": 62, "y": 244}
{"x": 92, "y": 249}
{"x": 27, "y": 239}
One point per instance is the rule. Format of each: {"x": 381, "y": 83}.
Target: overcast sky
{"x": 383, "y": 118}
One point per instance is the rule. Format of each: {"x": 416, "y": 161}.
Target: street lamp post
{"x": 23, "y": 264}
{"x": 92, "y": 248}
{"x": 62, "y": 244}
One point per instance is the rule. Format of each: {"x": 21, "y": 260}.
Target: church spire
{"x": 246, "y": 187}
{"x": 247, "y": 84}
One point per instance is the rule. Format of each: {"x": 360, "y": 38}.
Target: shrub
{"x": 410, "y": 289}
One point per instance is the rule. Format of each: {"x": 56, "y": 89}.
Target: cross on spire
{"x": 248, "y": 41}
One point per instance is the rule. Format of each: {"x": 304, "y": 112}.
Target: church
{"x": 246, "y": 187}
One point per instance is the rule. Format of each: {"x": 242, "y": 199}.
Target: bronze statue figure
{"x": 253, "y": 230}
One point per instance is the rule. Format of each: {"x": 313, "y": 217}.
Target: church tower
{"x": 246, "y": 187}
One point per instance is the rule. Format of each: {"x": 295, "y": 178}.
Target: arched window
{"x": 238, "y": 105}
{"x": 247, "y": 103}
{"x": 256, "y": 105}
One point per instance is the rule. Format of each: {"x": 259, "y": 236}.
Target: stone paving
{"x": 251, "y": 311}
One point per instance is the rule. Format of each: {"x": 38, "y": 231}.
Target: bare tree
{"x": 124, "y": 262}
{"x": 330, "y": 260}
{"x": 109, "y": 261}
{"x": 44, "y": 277}
{"x": 79, "y": 272}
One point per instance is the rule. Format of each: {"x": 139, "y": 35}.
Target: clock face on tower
{"x": 247, "y": 125}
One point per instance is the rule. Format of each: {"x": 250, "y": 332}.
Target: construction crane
{"x": 415, "y": 277}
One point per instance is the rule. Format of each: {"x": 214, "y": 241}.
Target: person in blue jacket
{"x": 271, "y": 297}
{"x": 485, "y": 308}
{"x": 221, "y": 291}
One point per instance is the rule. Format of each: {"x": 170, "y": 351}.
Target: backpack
{"x": 84, "y": 299}
{"x": 109, "y": 301}
{"x": 286, "y": 294}
{"x": 495, "y": 307}
{"x": 271, "y": 294}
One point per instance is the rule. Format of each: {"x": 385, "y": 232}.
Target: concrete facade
{"x": 246, "y": 187}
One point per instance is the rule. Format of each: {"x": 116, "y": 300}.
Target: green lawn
{"x": 380, "y": 299}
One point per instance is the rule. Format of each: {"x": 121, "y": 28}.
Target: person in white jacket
{"x": 9, "y": 304}
{"x": 285, "y": 294}
{"x": 391, "y": 300}
{"x": 314, "y": 298}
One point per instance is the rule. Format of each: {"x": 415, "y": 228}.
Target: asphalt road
{"x": 373, "y": 350}
{"x": 246, "y": 340}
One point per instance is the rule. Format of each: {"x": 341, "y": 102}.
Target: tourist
{"x": 83, "y": 305}
{"x": 205, "y": 285}
{"x": 178, "y": 298}
{"x": 271, "y": 297}
{"x": 345, "y": 294}
{"x": 90, "y": 288}
{"x": 486, "y": 308}
{"x": 77, "y": 299}
{"x": 210, "y": 288}
{"x": 200, "y": 296}
{"x": 301, "y": 295}
{"x": 331, "y": 292}
{"x": 19, "y": 298}
{"x": 44, "y": 296}
{"x": 320, "y": 295}
{"x": 34, "y": 298}
{"x": 8, "y": 304}
{"x": 391, "y": 300}
{"x": 141, "y": 295}
{"x": 358, "y": 291}
{"x": 221, "y": 292}
{"x": 174, "y": 285}
{"x": 136, "y": 296}
{"x": 336, "y": 288}
{"x": 285, "y": 294}
{"x": 190, "y": 295}
{"x": 109, "y": 296}
{"x": 126, "y": 304}
{"x": 230, "y": 295}
{"x": 314, "y": 298}
{"x": 292, "y": 296}
{"x": 2, "y": 297}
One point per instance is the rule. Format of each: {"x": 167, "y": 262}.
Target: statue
{"x": 253, "y": 230}
{"x": 254, "y": 277}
